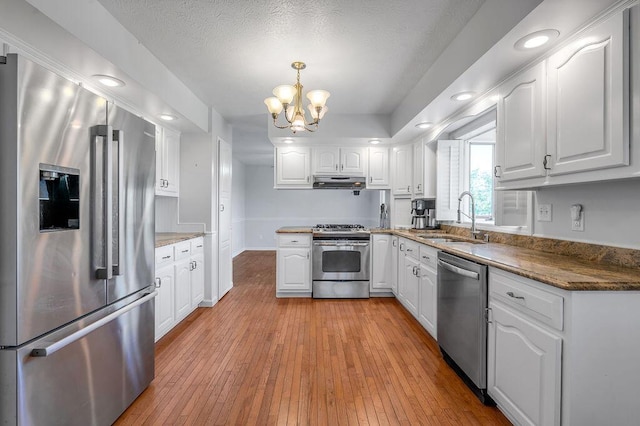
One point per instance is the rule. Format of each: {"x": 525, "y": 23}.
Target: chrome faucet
{"x": 474, "y": 232}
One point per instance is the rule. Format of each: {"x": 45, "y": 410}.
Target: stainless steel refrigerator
{"x": 76, "y": 251}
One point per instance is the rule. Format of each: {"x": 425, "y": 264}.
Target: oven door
{"x": 340, "y": 260}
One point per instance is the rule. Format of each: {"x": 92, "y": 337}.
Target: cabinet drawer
{"x": 182, "y": 250}
{"x": 428, "y": 256}
{"x": 164, "y": 255}
{"x": 197, "y": 245}
{"x": 516, "y": 291}
{"x": 412, "y": 249}
{"x": 294, "y": 240}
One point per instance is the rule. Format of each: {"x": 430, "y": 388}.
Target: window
{"x": 466, "y": 163}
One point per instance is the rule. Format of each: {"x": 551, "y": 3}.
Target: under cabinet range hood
{"x": 353, "y": 183}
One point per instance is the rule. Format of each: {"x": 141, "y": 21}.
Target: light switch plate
{"x": 578, "y": 225}
{"x": 543, "y": 213}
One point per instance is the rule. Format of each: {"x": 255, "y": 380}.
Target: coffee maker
{"x": 424, "y": 213}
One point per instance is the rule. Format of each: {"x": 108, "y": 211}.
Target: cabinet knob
{"x": 221, "y": 207}
{"x": 158, "y": 282}
{"x": 370, "y": 179}
{"x": 336, "y": 167}
{"x": 545, "y": 162}
{"x": 426, "y": 257}
{"x": 307, "y": 179}
{"x": 409, "y": 250}
{"x": 495, "y": 171}
{"x": 408, "y": 188}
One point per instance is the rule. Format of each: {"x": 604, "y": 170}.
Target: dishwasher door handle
{"x": 458, "y": 270}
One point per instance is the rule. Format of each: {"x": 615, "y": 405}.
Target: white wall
{"x": 238, "y": 208}
{"x": 611, "y": 212}
{"x": 268, "y": 209}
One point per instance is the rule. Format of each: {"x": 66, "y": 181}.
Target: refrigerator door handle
{"x": 119, "y": 218}
{"x": 56, "y": 346}
{"x": 104, "y": 241}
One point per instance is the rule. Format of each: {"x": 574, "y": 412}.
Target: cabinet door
{"x": 172, "y": 162}
{"x": 160, "y": 159}
{"x": 378, "y": 168}
{"x": 326, "y": 160}
{"x": 381, "y": 265}
{"x": 293, "y": 166}
{"x": 197, "y": 280}
{"x": 418, "y": 168}
{"x": 352, "y": 161}
{"x": 395, "y": 249}
{"x": 293, "y": 269}
{"x": 402, "y": 170}
{"x": 428, "y": 299}
{"x": 524, "y": 363}
{"x": 164, "y": 301}
{"x": 588, "y": 100}
{"x": 183, "y": 288}
{"x": 411, "y": 284}
{"x": 520, "y": 138}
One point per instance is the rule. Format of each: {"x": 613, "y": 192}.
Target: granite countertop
{"x": 294, "y": 230}
{"x": 168, "y": 238}
{"x": 560, "y": 271}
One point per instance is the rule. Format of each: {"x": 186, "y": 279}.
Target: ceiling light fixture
{"x": 462, "y": 96}
{"x": 289, "y": 98}
{"x": 168, "y": 117}
{"x": 374, "y": 141}
{"x": 536, "y": 39}
{"x": 109, "y": 81}
{"x": 424, "y": 125}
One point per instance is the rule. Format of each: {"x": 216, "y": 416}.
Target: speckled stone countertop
{"x": 294, "y": 230}
{"x": 168, "y": 238}
{"x": 560, "y": 271}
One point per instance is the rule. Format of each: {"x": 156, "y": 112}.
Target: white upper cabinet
{"x": 167, "y": 162}
{"x": 418, "y": 168}
{"x": 378, "y": 168}
{"x": 339, "y": 161}
{"x": 402, "y": 170}
{"x": 293, "y": 167}
{"x": 520, "y": 138}
{"x": 588, "y": 88}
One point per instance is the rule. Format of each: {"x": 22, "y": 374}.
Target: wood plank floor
{"x": 255, "y": 359}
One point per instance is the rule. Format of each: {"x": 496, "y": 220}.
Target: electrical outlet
{"x": 544, "y": 213}
{"x": 578, "y": 224}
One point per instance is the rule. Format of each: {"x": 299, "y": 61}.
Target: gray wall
{"x": 268, "y": 209}
{"x": 611, "y": 209}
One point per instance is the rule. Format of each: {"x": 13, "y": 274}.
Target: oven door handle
{"x": 323, "y": 244}
{"x": 459, "y": 271}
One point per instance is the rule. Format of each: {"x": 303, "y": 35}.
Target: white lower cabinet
{"x": 165, "y": 314}
{"x": 293, "y": 265}
{"x": 524, "y": 351}
{"x": 381, "y": 263}
{"x": 179, "y": 281}
{"x": 524, "y": 367}
{"x": 409, "y": 285}
{"x": 428, "y": 289}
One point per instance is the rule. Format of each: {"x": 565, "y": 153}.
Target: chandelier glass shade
{"x": 289, "y": 99}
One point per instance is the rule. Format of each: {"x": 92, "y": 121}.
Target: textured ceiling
{"x": 231, "y": 53}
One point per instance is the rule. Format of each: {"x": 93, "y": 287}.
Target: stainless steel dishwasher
{"x": 462, "y": 326}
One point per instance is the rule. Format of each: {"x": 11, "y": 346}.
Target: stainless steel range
{"x": 340, "y": 266}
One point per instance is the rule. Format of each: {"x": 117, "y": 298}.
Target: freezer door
{"x": 89, "y": 381}
{"x": 48, "y": 277}
{"x": 133, "y": 218}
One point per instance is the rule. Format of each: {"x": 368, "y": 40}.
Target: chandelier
{"x": 289, "y": 98}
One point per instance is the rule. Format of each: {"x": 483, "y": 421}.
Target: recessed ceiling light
{"x": 288, "y": 141}
{"x": 374, "y": 141}
{"x": 108, "y": 80}
{"x": 463, "y": 96}
{"x": 168, "y": 117}
{"x": 424, "y": 125}
{"x": 536, "y": 39}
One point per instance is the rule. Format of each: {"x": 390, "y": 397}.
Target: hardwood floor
{"x": 255, "y": 359}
